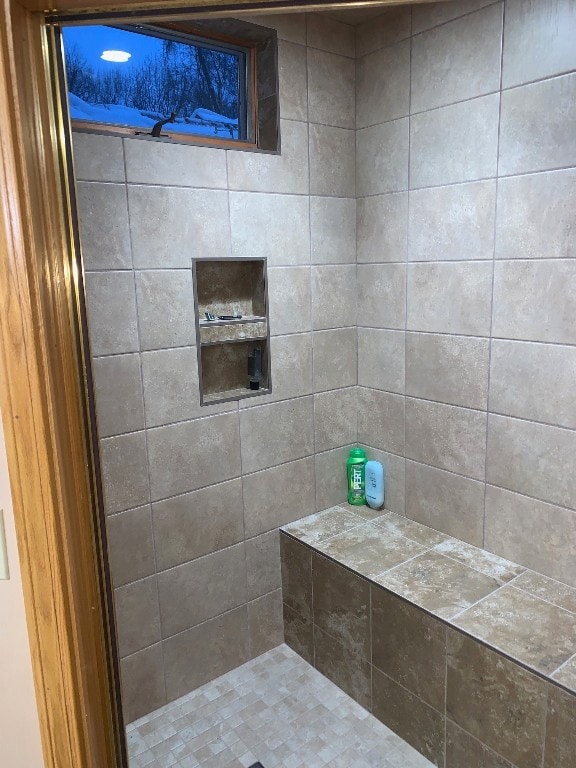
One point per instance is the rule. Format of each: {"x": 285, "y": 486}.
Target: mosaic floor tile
{"x": 528, "y": 629}
{"x": 276, "y": 710}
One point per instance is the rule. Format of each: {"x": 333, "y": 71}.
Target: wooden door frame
{"x": 44, "y": 394}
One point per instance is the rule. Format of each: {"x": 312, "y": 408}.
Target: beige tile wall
{"x": 420, "y": 271}
{"x": 466, "y": 147}
{"x": 194, "y": 496}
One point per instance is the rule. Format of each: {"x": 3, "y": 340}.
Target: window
{"x": 171, "y": 82}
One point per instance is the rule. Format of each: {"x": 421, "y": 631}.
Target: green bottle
{"x": 356, "y": 479}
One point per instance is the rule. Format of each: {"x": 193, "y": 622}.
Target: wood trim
{"x": 42, "y": 395}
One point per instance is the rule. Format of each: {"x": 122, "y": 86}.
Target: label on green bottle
{"x": 356, "y": 484}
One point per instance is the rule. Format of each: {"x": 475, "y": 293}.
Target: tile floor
{"x": 275, "y": 709}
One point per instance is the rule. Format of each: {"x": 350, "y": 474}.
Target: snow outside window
{"x": 149, "y": 81}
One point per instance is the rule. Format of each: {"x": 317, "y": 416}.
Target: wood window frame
{"x": 44, "y": 388}
{"x": 263, "y": 110}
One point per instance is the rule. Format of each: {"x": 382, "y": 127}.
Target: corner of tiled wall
{"x": 466, "y": 158}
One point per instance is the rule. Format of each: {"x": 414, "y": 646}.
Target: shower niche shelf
{"x": 234, "y": 288}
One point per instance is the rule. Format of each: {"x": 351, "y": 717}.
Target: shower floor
{"x": 276, "y": 710}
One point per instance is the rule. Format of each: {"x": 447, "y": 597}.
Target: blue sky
{"x": 95, "y": 39}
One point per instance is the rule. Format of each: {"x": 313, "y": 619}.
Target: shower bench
{"x": 468, "y": 657}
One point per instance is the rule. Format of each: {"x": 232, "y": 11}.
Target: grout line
{"x": 407, "y": 257}
{"x": 474, "y": 604}
{"x": 492, "y": 288}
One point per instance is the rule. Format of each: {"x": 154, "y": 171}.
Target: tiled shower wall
{"x": 466, "y": 147}
{"x": 194, "y": 495}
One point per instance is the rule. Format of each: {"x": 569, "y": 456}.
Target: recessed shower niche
{"x": 232, "y": 328}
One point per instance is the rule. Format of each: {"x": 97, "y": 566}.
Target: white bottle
{"x": 374, "y": 484}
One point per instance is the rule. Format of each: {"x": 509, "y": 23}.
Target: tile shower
{"x": 419, "y": 229}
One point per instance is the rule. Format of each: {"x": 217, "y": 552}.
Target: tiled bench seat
{"x": 467, "y": 656}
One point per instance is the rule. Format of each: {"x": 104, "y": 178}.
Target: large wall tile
{"x": 265, "y": 624}
{"x": 296, "y": 575}
{"x": 118, "y": 392}
{"x": 550, "y": 370}
{"x": 137, "y": 616}
{"x": 331, "y": 96}
{"x": 124, "y": 472}
{"x": 382, "y": 295}
{"x": 452, "y": 223}
{"x": 103, "y": 208}
{"x": 381, "y": 359}
{"x": 341, "y": 604}
{"x": 143, "y": 687}
{"x": 469, "y": 288}
{"x": 165, "y": 308}
{"x": 457, "y": 61}
{"x": 446, "y": 437}
{"x": 98, "y": 158}
{"x": 449, "y": 369}
{"x": 463, "y": 749}
{"x": 537, "y": 216}
{"x": 408, "y": 716}
{"x": 263, "y": 564}
{"x": 169, "y": 225}
{"x": 213, "y": 655}
{"x": 382, "y": 158}
{"x": 560, "y": 729}
{"x": 331, "y": 485}
{"x": 390, "y": 26}
{"x": 177, "y": 165}
{"x": 276, "y": 227}
{"x": 335, "y": 418}
{"x": 335, "y": 359}
{"x": 194, "y": 592}
{"x": 332, "y": 170}
{"x": 333, "y": 230}
{"x": 409, "y": 646}
{"x": 498, "y": 702}
{"x": 197, "y": 523}
{"x": 299, "y": 634}
{"x": 537, "y": 126}
{"x": 276, "y": 433}
{"x": 187, "y": 456}
{"x": 381, "y": 420}
{"x": 289, "y": 300}
{"x": 111, "y": 309}
{"x": 381, "y": 228}
{"x": 329, "y": 35}
{"x": 290, "y": 26}
{"x": 347, "y": 670}
{"x": 383, "y": 85}
{"x": 284, "y": 173}
{"x": 446, "y": 502}
{"x": 538, "y": 40}
{"x": 533, "y": 301}
{"x": 270, "y": 499}
{"x": 533, "y": 459}
{"x": 292, "y": 81}
{"x": 130, "y": 545}
{"x": 333, "y": 296}
{"x": 538, "y": 535}
{"x": 455, "y": 143}
{"x": 430, "y": 15}
{"x": 170, "y": 385}
{"x": 291, "y": 369}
